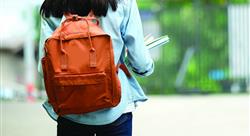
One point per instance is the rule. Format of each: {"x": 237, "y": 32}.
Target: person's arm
{"x": 48, "y": 25}
{"x": 139, "y": 58}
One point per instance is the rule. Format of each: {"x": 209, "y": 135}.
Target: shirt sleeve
{"x": 138, "y": 57}
{"x": 48, "y": 25}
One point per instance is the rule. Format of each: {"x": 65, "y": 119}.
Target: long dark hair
{"x": 57, "y": 8}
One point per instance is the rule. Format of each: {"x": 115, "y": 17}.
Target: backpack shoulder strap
{"x": 124, "y": 68}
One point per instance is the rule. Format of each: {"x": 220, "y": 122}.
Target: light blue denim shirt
{"x": 125, "y": 28}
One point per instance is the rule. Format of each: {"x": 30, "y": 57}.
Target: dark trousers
{"x": 121, "y": 127}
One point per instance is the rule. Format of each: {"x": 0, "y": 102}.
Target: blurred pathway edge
{"x": 211, "y": 115}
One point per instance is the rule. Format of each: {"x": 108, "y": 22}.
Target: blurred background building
{"x": 209, "y": 50}
{"x": 19, "y": 37}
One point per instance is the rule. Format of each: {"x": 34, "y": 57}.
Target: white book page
{"x": 152, "y": 42}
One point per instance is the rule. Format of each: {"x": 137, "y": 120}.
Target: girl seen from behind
{"x": 121, "y": 20}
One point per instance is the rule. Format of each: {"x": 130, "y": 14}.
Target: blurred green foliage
{"x": 201, "y": 25}
{"x": 37, "y": 18}
{"x": 148, "y": 4}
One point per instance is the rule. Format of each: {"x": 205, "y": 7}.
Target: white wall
{"x": 239, "y": 40}
{"x": 15, "y": 21}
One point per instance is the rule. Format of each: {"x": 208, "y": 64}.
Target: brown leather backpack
{"x": 79, "y": 71}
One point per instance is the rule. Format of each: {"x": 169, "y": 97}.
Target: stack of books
{"x": 152, "y": 42}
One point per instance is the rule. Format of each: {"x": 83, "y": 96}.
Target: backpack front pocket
{"x": 77, "y": 94}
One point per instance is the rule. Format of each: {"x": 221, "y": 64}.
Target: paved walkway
{"x": 221, "y": 115}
